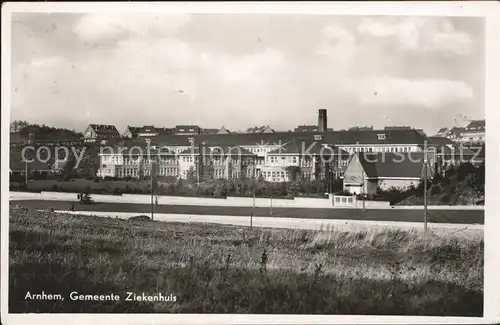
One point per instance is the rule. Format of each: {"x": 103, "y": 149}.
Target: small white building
{"x": 367, "y": 172}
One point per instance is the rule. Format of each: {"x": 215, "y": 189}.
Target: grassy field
{"x": 227, "y": 269}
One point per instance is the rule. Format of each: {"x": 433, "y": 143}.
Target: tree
{"x": 294, "y": 172}
{"x": 293, "y": 189}
{"x": 17, "y": 125}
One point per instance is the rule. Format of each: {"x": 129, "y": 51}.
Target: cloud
{"x": 167, "y": 80}
{"x": 45, "y": 62}
{"x": 419, "y": 34}
{"x": 447, "y": 39}
{"x": 338, "y": 45}
{"x": 428, "y": 93}
{"x": 95, "y": 27}
{"x": 155, "y": 78}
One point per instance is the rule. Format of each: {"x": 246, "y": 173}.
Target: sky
{"x": 241, "y": 70}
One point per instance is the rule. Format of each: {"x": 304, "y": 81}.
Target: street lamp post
{"x": 271, "y": 207}
{"x": 152, "y": 190}
{"x": 425, "y": 194}
{"x": 425, "y": 185}
{"x": 253, "y": 205}
{"x": 25, "y": 172}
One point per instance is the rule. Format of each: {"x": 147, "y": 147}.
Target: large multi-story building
{"x": 137, "y": 161}
{"x": 303, "y": 158}
{"x": 276, "y": 156}
{"x": 226, "y": 162}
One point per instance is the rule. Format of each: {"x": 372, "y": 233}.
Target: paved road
{"x": 399, "y": 215}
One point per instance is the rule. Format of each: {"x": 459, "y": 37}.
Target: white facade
{"x": 353, "y": 148}
{"x": 401, "y": 183}
{"x": 473, "y": 136}
{"x": 186, "y": 162}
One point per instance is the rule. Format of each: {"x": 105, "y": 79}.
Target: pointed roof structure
{"x": 223, "y": 130}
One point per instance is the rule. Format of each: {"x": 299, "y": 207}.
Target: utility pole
{"x": 253, "y": 208}
{"x": 425, "y": 194}
{"x": 363, "y": 189}
{"x": 25, "y": 172}
{"x": 271, "y": 207}
{"x": 425, "y": 186}
{"x": 199, "y": 170}
{"x": 152, "y": 190}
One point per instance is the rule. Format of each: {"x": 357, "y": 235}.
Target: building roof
{"x": 172, "y": 140}
{"x": 209, "y": 131}
{"x": 360, "y": 128}
{"x": 223, "y": 130}
{"x": 148, "y": 129}
{"x": 218, "y": 150}
{"x": 186, "y": 128}
{"x": 105, "y": 130}
{"x": 336, "y": 138}
{"x": 139, "y": 149}
{"x": 392, "y": 128}
{"x": 165, "y": 131}
{"x": 439, "y": 141}
{"x": 260, "y": 129}
{"x": 307, "y": 146}
{"x": 134, "y": 129}
{"x": 441, "y": 130}
{"x": 476, "y": 125}
{"x": 383, "y": 164}
{"x": 305, "y": 128}
{"x": 456, "y": 132}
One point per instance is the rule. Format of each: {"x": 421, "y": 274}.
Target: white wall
{"x": 387, "y": 184}
{"x": 230, "y": 201}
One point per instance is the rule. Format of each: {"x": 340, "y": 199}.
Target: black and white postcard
{"x": 255, "y": 162}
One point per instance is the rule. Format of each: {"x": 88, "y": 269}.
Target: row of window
{"x": 378, "y": 149}
{"x": 259, "y": 150}
{"x": 168, "y": 171}
{"x": 276, "y": 159}
{"x": 278, "y": 174}
{"x": 133, "y": 172}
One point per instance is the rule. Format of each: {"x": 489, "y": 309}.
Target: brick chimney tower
{"x": 322, "y": 120}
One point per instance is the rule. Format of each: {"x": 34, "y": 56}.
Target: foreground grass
{"x": 227, "y": 269}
